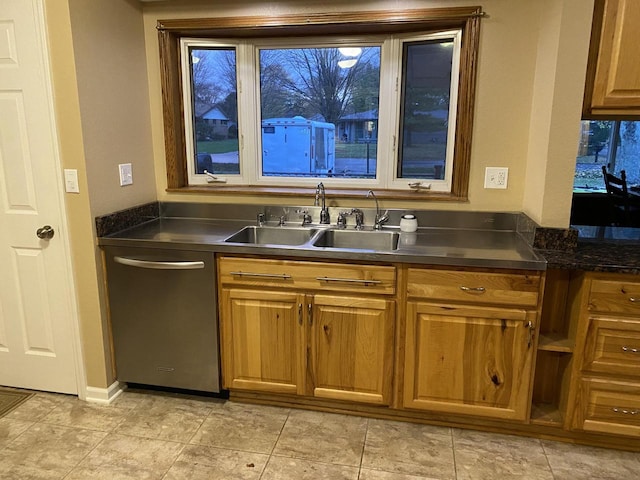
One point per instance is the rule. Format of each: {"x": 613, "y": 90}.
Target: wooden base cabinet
{"x": 470, "y": 342}
{"x": 298, "y": 332}
{"x": 263, "y": 341}
{"x": 606, "y": 381}
{"x": 469, "y": 360}
{"x": 352, "y": 348}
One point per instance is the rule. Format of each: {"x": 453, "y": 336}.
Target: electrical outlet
{"x": 496, "y": 177}
{"x": 126, "y": 175}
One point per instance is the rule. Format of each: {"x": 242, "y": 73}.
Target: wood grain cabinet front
{"x": 308, "y": 328}
{"x": 613, "y": 77}
{"x": 263, "y": 340}
{"x": 473, "y": 354}
{"x": 608, "y": 406}
{"x": 607, "y": 377}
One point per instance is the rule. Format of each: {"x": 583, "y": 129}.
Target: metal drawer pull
{"x": 472, "y": 289}
{"x": 634, "y": 299}
{"x": 348, "y": 280}
{"x": 625, "y": 412}
{"x": 283, "y": 276}
{"x": 132, "y": 262}
{"x": 630, "y": 349}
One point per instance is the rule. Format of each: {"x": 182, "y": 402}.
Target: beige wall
{"x": 102, "y": 108}
{"x": 530, "y": 83}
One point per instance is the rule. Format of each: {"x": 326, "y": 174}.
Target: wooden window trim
{"x": 405, "y": 21}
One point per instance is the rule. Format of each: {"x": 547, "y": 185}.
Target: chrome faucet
{"x": 359, "y": 218}
{"x": 380, "y": 219}
{"x": 324, "y": 211}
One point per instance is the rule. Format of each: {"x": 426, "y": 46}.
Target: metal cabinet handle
{"x": 132, "y": 262}
{"x": 630, "y": 349}
{"x": 300, "y": 314}
{"x": 349, "y": 280}
{"x": 45, "y": 233}
{"x": 310, "y": 312}
{"x": 625, "y": 412}
{"x": 530, "y": 328}
{"x": 634, "y": 299}
{"x": 472, "y": 289}
{"x": 282, "y": 276}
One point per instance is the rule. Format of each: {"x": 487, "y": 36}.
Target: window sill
{"x": 231, "y": 190}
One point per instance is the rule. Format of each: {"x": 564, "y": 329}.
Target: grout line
{"x": 275, "y": 444}
{"x": 553, "y": 475}
{"x": 453, "y": 448}
{"x": 364, "y": 446}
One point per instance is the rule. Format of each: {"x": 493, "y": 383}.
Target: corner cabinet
{"x": 613, "y": 77}
{"x": 470, "y": 342}
{"x": 308, "y": 328}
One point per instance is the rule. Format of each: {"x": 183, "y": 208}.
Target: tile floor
{"x": 151, "y": 435}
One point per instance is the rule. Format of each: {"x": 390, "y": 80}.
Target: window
{"x": 612, "y": 143}
{"x": 388, "y": 105}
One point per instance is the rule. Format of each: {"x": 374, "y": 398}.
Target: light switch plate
{"x": 496, "y": 177}
{"x": 71, "y": 180}
{"x": 126, "y": 174}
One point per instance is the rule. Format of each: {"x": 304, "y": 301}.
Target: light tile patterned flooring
{"x": 148, "y": 435}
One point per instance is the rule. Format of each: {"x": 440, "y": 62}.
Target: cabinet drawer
{"x": 612, "y": 346}
{"x": 475, "y": 287}
{"x": 608, "y": 407}
{"x": 307, "y": 275}
{"x": 617, "y": 296}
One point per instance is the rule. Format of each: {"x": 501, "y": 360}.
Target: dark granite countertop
{"x": 599, "y": 249}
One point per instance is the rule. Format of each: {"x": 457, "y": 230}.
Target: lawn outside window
{"x": 380, "y": 109}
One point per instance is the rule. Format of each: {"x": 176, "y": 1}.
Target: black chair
{"x": 624, "y": 207}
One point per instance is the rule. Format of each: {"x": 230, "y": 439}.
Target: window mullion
{"x": 247, "y": 118}
{"x": 389, "y": 111}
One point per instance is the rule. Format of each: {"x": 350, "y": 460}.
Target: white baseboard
{"x": 105, "y": 396}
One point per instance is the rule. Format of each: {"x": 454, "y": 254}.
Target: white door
{"x": 38, "y": 327}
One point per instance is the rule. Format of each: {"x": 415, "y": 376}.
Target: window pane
{"x": 425, "y": 108}
{"x": 319, "y": 111}
{"x": 614, "y": 144}
{"x": 215, "y": 110}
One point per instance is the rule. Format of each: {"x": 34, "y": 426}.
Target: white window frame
{"x": 249, "y": 119}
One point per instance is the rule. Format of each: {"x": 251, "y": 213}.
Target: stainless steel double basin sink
{"x": 349, "y": 239}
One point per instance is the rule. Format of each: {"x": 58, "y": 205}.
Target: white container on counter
{"x": 408, "y": 223}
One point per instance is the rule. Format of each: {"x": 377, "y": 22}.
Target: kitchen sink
{"x": 272, "y": 236}
{"x": 358, "y": 240}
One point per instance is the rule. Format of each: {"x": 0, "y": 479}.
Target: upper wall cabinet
{"x": 613, "y": 71}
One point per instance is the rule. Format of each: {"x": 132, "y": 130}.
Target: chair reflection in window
{"x": 624, "y": 207}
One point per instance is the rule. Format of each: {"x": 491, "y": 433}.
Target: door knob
{"x": 46, "y": 232}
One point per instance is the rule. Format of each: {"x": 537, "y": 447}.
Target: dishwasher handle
{"x": 132, "y": 262}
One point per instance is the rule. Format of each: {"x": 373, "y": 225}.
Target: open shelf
{"x": 546, "y": 414}
{"x": 555, "y": 342}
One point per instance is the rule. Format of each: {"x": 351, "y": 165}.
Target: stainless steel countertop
{"x": 472, "y": 247}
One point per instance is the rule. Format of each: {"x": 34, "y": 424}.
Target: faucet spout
{"x": 324, "y": 212}
{"x": 380, "y": 219}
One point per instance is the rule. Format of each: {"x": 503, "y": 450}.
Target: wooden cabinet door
{"x": 263, "y": 340}
{"x": 352, "y": 348}
{"x": 613, "y": 75}
{"x": 469, "y": 360}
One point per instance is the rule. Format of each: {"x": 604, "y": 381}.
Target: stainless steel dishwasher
{"x": 163, "y": 317}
